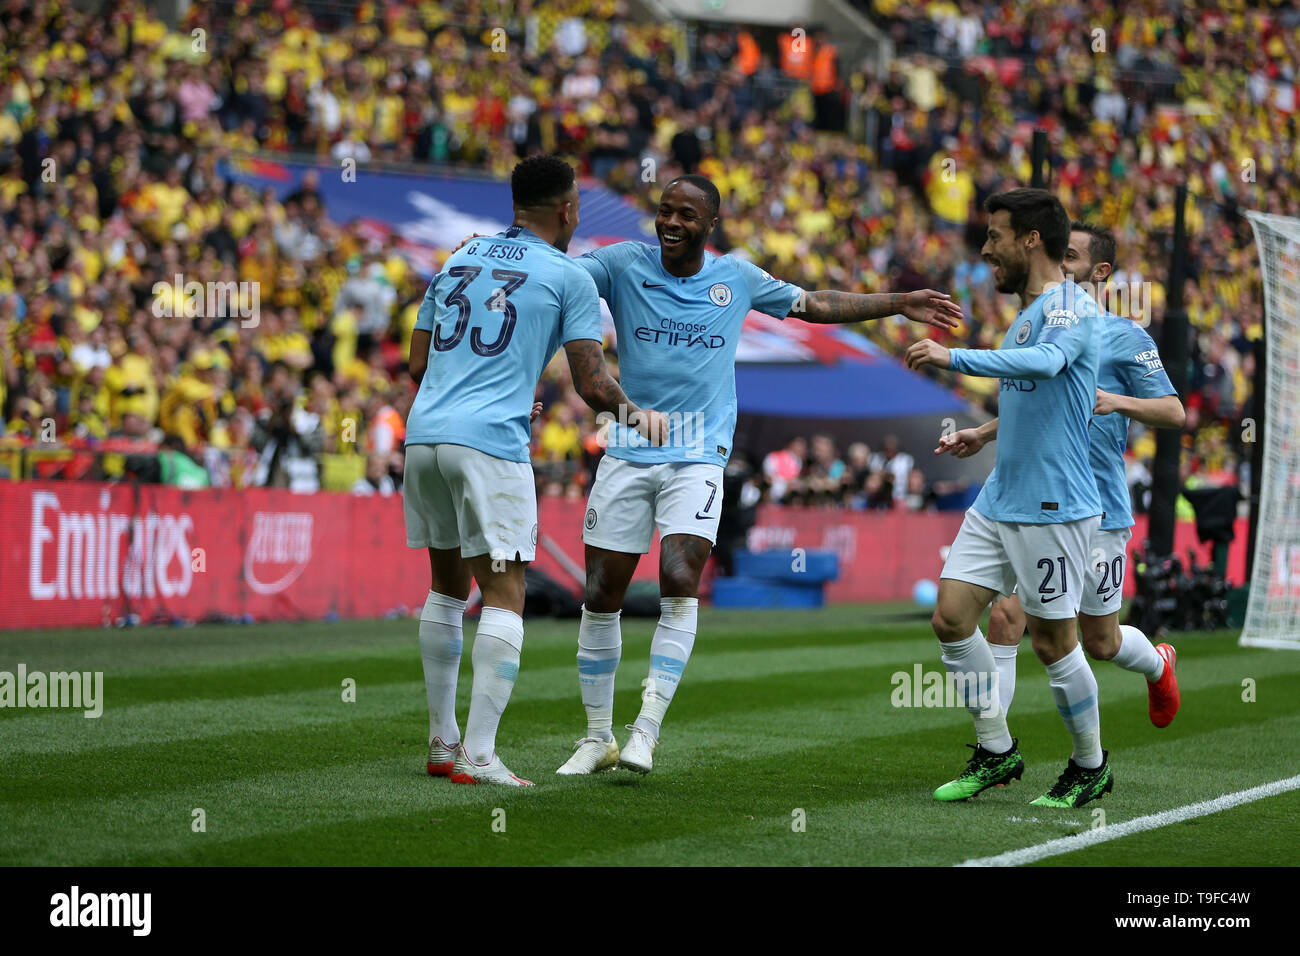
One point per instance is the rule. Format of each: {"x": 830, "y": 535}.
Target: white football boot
{"x": 442, "y": 759}
{"x": 494, "y": 771}
{"x": 592, "y": 755}
{"x": 638, "y": 752}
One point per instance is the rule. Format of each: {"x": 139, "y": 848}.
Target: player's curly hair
{"x": 1035, "y": 210}
{"x": 540, "y": 181}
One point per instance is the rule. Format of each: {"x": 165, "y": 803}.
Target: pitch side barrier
{"x": 86, "y": 554}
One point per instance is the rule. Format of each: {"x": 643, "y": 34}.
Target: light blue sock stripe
{"x": 670, "y": 665}
{"x": 506, "y": 670}
{"x": 597, "y": 667}
{"x": 1071, "y": 711}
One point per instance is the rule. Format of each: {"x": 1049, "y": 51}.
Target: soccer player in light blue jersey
{"x": 1031, "y": 526}
{"x": 678, "y": 311}
{"x": 489, "y": 323}
{"x": 1131, "y": 384}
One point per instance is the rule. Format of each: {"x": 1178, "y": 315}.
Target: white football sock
{"x": 1137, "y": 653}
{"x": 441, "y": 639}
{"x": 497, "y": 643}
{"x": 600, "y": 646}
{"x": 1075, "y": 690}
{"x": 670, "y": 649}
{"x": 1004, "y": 655}
{"x": 972, "y": 659}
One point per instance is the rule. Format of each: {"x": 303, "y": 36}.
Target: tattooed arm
{"x": 829, "y": 307}
{"x": 598, "y": 389}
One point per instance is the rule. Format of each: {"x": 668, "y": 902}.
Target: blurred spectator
{"x": 824, "y": 474}
{"x": 918, "y": 495}
{"x": 376, "y": 481}
{"x": 560, "y": 439}
{"x": 878, "y": 493}
{"x": 856, "y": 471}
{"x": 783, "y": 467}
{"x": 896, "y": 466}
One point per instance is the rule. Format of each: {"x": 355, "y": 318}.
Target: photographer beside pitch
{"x": 1034, "y": 519}
{"x": 1131, "y": 384}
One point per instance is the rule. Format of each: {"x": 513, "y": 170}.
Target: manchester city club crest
{"x": 720, "y": 293}
{"x": 1022, "y": 333}
{"x": 591, "y": 518}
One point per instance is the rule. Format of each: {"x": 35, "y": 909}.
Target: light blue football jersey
{"x": 498, "y": 311}
{"x": 1130, "y": 365}
{"x": 1048, "y": 365}
{"x": 677, "y": 343}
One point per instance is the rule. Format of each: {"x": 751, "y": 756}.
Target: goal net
{"x": 1273, "y": 609}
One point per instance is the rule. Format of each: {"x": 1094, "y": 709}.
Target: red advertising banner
{"x": 76, "y": 554}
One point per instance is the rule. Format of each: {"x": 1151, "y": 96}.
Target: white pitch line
{"x": 1153, "y": 821}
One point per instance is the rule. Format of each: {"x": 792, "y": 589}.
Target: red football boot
{"x": 1163, "y": 694}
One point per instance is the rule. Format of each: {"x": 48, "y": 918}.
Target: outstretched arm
{"x": 1038, "y": 362}
{"x": 829, "y": 307}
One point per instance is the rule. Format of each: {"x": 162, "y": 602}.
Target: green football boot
{"x": 984, "y": 770}
{"x": 1078, "y": 785}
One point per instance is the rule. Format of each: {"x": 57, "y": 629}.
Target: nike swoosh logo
{"x": 1049, "y": 600}
{"x": 1109, "y": 596}
{"x": 1152, "y": 372}
{"x": 657, "y": 285}
{"x": 701, "y": 517}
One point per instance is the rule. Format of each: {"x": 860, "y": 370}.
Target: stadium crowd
{"x": 112, "y": 128}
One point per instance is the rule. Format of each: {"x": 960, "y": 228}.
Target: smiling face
{"x": 683, "y": 222}
{"x": 1008, "y": 255}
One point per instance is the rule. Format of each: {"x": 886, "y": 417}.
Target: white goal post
{"x": 1273, "y": 610}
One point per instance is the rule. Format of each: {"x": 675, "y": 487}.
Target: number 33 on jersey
{"x": 498, "y": 311}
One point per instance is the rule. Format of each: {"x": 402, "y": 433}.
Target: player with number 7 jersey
{"x": 678, "y": 311}
{"x": 489, "y": 323}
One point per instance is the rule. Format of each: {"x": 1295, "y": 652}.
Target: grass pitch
{"x": 781, "y": 717}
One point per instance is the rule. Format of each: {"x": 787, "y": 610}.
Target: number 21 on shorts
{"x": 1046, "y": 587}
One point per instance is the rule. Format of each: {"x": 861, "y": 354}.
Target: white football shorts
{"x": 457, "y": 496}
{"x": 1046, "y": 561}
{"x": 629, "y": 499}
{"x": 1107, "y": 559}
